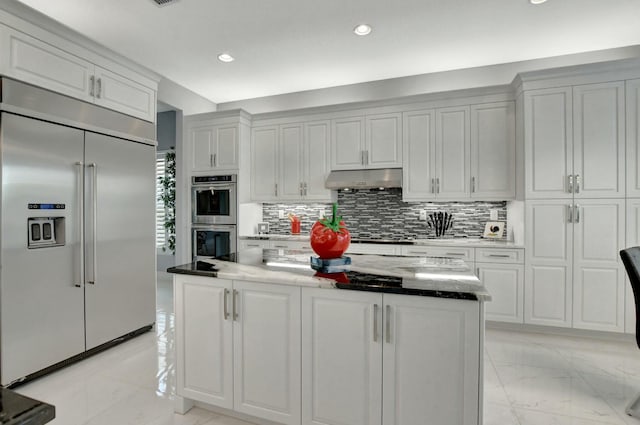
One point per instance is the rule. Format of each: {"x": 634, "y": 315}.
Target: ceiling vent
{"x": 164, "y": 2}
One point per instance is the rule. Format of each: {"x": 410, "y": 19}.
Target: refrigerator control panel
{"x": 44, "y": 232}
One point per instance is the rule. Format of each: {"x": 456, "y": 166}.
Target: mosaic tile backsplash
{"x": 374, "y": 214}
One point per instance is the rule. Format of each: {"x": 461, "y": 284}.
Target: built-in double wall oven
{"x": 214, "y": 216}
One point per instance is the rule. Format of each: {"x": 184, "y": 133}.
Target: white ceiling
{"x": 285, "y": 46}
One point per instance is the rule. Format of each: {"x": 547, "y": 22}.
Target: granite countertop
{"x": 16, "y": 409}
{"x": 426, "y": 276}
{"x": 467, "y": 242}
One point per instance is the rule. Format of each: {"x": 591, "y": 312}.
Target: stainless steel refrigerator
{"x": 77, "y": 235}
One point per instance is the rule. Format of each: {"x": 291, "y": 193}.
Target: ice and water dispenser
{"x": 45, "y": 231}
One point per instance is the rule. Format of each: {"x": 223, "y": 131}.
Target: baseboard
{"x": 552, "y": 330}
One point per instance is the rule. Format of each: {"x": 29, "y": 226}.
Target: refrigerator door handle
{"x": 94, "y": 197}
{"x": 80, "y": 166}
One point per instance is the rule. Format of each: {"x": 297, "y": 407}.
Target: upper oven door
{"x": 214, "y": 203}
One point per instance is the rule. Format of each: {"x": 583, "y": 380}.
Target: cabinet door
{"x": 505, "y": 283}
{"x": 632, "y": 239}
{"x": 347, "y": 143}
{"x": 383, "y": 147}
{"x": 548, "y": 138}
{"x": 341, "y": 357}
{"x": 633, "y": 138}
{"x": 202, "y": 140}
{"x": 204, "y": 350}
{"x": 418, "y": 173}
{"x": 290, "y": 162}
{"x": 548, "y": 262}
{"x": 493, "y": 157}
{"x": 452, "y": 153}
{"x": 445, "y": 374}
{"x": 33, "y": 61}
{"x": 264, "y": 163}
{"x": 316, "y": 160}
{"x": 598, "y": 275}
{"x": 121, "y": 94}
{"x": 267, "y": 350}
{"x": 598, "y": 141}
{"x": 226, "y": 148}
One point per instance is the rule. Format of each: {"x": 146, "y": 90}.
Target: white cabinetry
{"x": 574, "y": 142}
{"x": 373, "y": 248}
{"x": 290, "y": 162}
{"x": 264, "y": 163}
{"x": 31, "y": 60}
{"x": 373, "y": 141}
{"x": 444, "y": 374}
{"x": 296, "y": 245}
{"x": 436, "y": 157}
{"x": 213, "y": 147}
{"x": 573, "y": 274}
{"x": 341, "y": 357}
{"x": 632, "y": 239}
{"x": 382, "y": 352}
{"x": 493, "y": 151}
{"x": 502, "y": 272}
{"x": 238, "y": 346}
{"x": 633, "y": 138}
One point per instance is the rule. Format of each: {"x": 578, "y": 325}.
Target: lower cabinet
{"x": 238, "y": 346}
{"x": 389, "y": 359}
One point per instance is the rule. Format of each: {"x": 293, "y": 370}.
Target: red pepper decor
{"x": 330, "y": 238}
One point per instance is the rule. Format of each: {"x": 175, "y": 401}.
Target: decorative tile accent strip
{"x": 375, "y": 214}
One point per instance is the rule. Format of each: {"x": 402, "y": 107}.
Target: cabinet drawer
{"x": 465, "y": 254}
{"x": 499, "y": 255}
{"x": 301, "y": 245}
{"x": 247, "y": 244}
{"x": 379, "y": 249}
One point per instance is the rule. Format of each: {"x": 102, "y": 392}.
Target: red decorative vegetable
{"x": 330, "y": 238}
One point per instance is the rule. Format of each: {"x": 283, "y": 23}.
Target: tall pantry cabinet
{"x": 574, "y": 150}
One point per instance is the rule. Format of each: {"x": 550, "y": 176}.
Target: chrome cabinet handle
{"x": 437, "y": 184}
{"x": 375, "y": 323}
{"x": 99, "y": 89}
{"x": 94, "y": 196}
{"x": 455, "y": 254}
{"x": 300, "y": 188}
{"x": 211, "y": 160}
{"x": 576, "y": 210}
{"x": 235, "y": 306}
{"x": 226, "y": 311}
{"x": 80, "y": 166}
{"x": 388, "y": 324}
{"x": 362, "y": 153}
{"x": 433, "y": 185}
{"x": 305, "y": 188}
{"x": 478, "y": 271}
{"x": 473, "y": 184}
{"x": 276, "y": 189}
{"x": 92, "y": 86}
{"x": 577, "y": 183}
{"x": 366, "y": 157}
{"x": 498, "y": 255}
{"x": 570, "y": 215}
{"x": 570, "y": 184}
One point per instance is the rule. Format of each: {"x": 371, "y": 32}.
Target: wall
{"x": 182, "y": 98}
{"x": 485, "y": 76}
{"x": 383, "y": 215}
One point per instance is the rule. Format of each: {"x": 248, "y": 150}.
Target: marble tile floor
{"x": 530, "y": 379}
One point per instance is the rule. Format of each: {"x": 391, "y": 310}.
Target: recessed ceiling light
{"x": 537, "y": 1}
{"x": 362, "y": 29}
{"x": 225, "y": 57}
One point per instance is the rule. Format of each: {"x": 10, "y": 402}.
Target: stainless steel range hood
{"x": 364, "y": 179}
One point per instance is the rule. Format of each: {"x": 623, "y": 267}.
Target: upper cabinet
{"x": 436, "y": 154}
{"x": 461, "y": 152}
{"x": 574, "y": 142}
{"x": 290, "y": 162}
{"x": 493, "y": 152}
{"x": 374, "y": 141}
{"x": 633, "y": 138}
{"x": 213, "y": 147}
{"x": 31, "y": 60}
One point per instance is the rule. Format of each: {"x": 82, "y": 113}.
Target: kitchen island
{"x": 394, "y": 340}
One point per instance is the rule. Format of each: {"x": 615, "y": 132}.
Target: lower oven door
{"x": 213, "y": 241}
